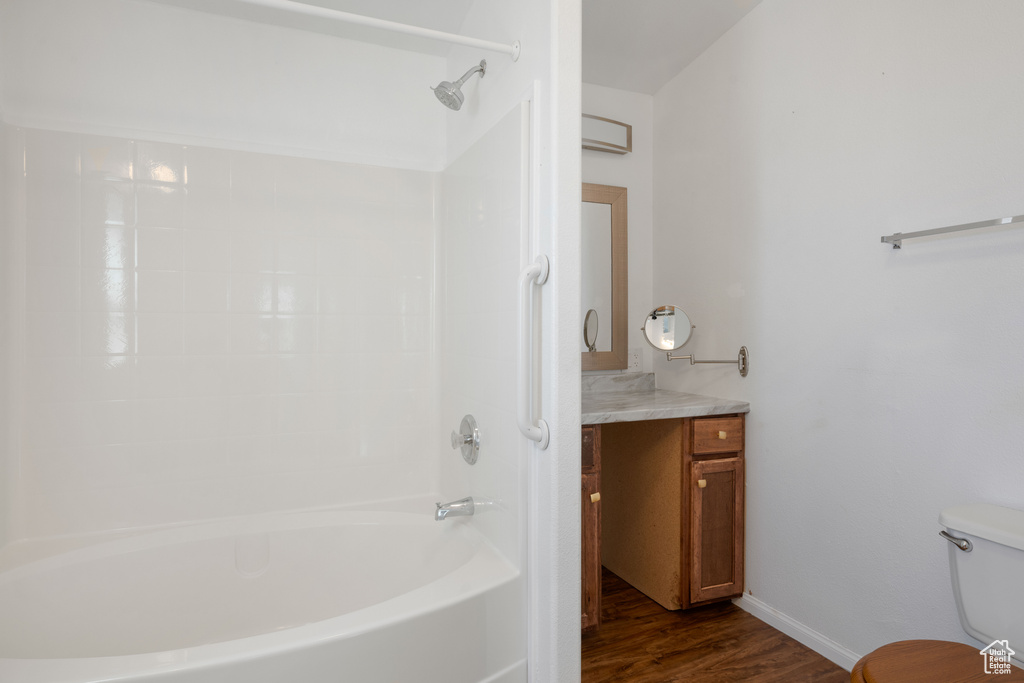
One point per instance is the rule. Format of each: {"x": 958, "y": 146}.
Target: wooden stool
{"x": 927, "y": 661}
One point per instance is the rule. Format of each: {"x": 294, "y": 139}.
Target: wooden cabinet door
{"x": 716, "y": 529}
{"x": 590, "y": 507}
{"x": 591, "y": 555}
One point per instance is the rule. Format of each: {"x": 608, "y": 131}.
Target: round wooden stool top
{"x": 928, "y": 661}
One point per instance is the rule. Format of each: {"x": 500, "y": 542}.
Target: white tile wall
{"x": 212, "y": 333}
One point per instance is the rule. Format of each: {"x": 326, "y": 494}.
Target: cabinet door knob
{"x": 701, "y": 483}
{"x": 594, "y": 497}
{"x": 722, "y": 435}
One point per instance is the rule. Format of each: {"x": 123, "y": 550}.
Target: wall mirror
{"x": 604, "y": 289}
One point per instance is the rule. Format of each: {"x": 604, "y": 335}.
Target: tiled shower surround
{"x": 210, "y": 332}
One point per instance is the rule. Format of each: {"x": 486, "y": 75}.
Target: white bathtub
{"x": 336, "y": 596}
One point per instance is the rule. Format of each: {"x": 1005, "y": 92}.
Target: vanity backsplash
{"x": 631, "y": 382}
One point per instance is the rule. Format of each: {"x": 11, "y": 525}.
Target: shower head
{"x": 450, "y": 94}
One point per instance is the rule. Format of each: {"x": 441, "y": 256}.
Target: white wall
{"x": 507, "y": 82}
{"x": 884, "y": 385}
{"x": 124, "y": 67}
{"x": 634, "y": 171}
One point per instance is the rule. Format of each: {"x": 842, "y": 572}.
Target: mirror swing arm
{"x": 742, "y": 361}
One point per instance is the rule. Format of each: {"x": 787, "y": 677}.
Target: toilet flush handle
{"x": 961, "y": 543}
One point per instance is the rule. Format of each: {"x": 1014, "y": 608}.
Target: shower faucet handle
{"x": 460, "y": 440}
{"x": 468, "y": 439}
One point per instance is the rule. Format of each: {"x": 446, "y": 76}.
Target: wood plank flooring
{"x": 641, "y": 642}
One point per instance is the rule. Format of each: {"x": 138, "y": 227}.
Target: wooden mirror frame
{"x": 617, "y": 358}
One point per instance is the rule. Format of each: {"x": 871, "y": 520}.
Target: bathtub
{"x": 332, "y": 596}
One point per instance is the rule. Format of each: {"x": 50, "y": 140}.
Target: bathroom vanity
{"x": 662, "y": 471}
{"x": 662, "y": 492}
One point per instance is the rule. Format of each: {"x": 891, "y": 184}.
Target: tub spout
{"x": 457, "y": 508}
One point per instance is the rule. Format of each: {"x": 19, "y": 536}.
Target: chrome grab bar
{"x": 961, "y": 543}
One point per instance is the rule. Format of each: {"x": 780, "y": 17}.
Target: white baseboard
{"x": 794, "y": 629}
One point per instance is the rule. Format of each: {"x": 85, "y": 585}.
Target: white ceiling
{"x": 635, "y": 45}
{"x": 641, "y": 45}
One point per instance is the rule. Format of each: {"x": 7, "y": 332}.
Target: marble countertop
{"x": 633, "y": 401}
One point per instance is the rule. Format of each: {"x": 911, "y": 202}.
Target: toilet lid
{"x": 930, "y": 661}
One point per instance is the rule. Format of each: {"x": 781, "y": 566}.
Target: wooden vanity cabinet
{"x": 591, "y": 523}
{"x": 672, "y": 492}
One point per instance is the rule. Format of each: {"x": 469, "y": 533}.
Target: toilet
{"x": 986, "y": 561}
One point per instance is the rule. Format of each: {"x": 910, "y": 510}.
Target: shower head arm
{"x": 481, "y": 67}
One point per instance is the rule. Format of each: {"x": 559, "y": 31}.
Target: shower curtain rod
{"x": 347, "y": 17}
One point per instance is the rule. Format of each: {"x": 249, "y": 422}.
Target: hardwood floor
{"x": 641, "y": 642}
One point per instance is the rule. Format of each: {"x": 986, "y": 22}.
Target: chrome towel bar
{"x": 896, "y": 239}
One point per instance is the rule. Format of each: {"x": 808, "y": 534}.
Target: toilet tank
{"x": 988, "y": 581}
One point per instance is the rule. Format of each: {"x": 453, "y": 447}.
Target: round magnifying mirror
{"x": 667, "y": 328}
